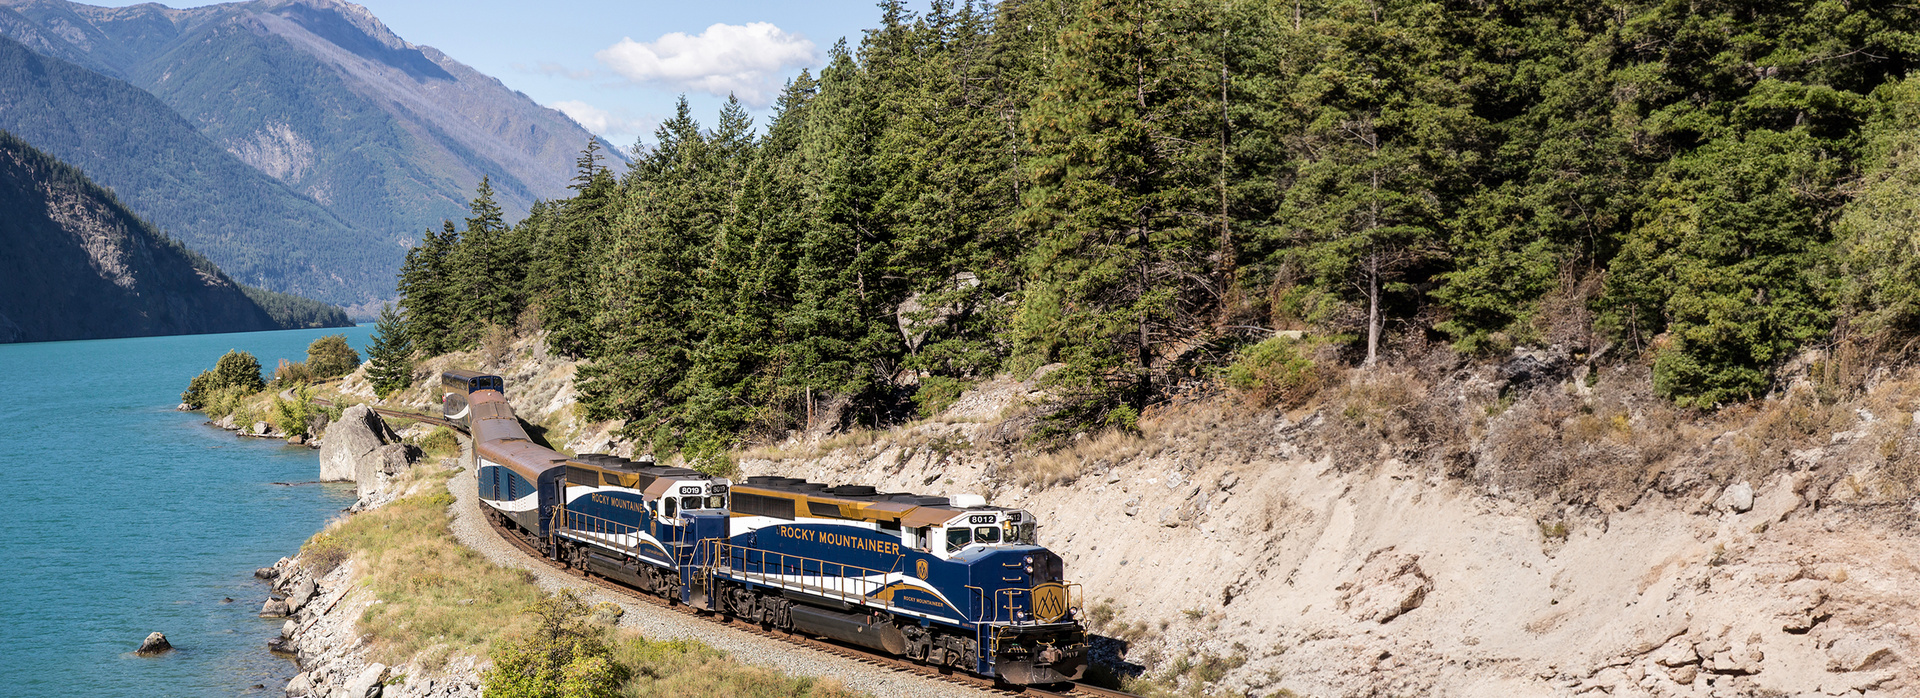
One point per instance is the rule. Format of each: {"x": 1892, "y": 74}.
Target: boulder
{"x": 301, "y": 685}
{"x": 298, "y": 597}
{"x": 155, "y": 643}
{"x": 226, "y": 423}
{"x": 1387, "y": 585}
{"x": 365, "y": 684}
{"x": 288, "y": 628}
{"x": 359, "y": 433}
{"x": 296, "y": 440}
{"x": 1738, "y": 498}
{"x": 266, "y": 572}
{"x": 273, "y": 608}
{"x": 390, "y": 459}
{"x": 259, "y": 428}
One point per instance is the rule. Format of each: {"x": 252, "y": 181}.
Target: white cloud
{"x": 745, "y": 61}
{"x": 615, "y": 126}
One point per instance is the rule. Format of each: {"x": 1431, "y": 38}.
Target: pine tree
{"x": 429, "y": 293}
{"x": 566, "y": 256}
{"x": 1116, "y": 181}
{"x": 390, "y": 356}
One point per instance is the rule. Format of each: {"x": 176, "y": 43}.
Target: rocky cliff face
{"x": 79, "y": 265}
{"x": 1232, "y": 541}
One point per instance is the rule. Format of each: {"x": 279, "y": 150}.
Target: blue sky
{"x": 617, "y": 66}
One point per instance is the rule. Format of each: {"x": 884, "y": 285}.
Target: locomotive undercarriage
{"x": 876, "y": 630}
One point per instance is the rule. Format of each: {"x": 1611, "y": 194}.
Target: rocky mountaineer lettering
{"x": 616, "y": 503}
{"x": 840, "y": 540}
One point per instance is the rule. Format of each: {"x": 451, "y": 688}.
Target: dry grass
{"x": 687, "y": 668}
{"x": 434, "y": 593}
{"x": 1063, "y": 466}
{"x": 1388, "y": 413}
{"x": 1605, "y": 447}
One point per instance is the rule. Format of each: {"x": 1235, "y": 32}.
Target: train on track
{"x": 944, "y": 581}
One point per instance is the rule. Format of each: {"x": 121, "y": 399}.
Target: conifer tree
{"x": 566, "y": 255}
{"x": 390, "y": 356}
{"x": 428, "y": 292}
{"x": 1113, "y": 189}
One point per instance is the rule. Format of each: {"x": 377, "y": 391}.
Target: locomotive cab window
{"x": 716, "y": 501}
{"x": 690, "y": 502}
{"x": 669, "y": 503}
{"x": 987, "y": 535}
{"x": 958, "y": 537}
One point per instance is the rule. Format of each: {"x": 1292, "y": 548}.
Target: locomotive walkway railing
{"x": 850, "y": 584}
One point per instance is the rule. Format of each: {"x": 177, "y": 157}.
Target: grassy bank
{"x": 438, "y": 599}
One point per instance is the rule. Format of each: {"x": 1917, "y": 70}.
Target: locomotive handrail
{"x": 860, "y": 587}
{"x": 602, "y": 527}
{"x": 1074, "y": 601}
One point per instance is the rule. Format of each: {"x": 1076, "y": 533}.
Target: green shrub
{"x": 235, "y": 370}
{"x": 564, "y": 657}
{"x": 440, "y": 443}
{"x": 331, "y": 357}
{"x": 292, "y": 416}
{"x": 1274, "y": 371}
{"x": 238, "y": 369}
{"x": 199, "y": 390}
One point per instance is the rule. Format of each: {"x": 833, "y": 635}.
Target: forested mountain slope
{"x": 127, "y": 140}
{"x": 79, "y": 265}
{"x": 320, "y": 95}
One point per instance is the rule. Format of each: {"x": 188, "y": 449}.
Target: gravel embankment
{"x": 471, "y": 529}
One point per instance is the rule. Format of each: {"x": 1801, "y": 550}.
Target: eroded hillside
{"x": 1526, "y": 527}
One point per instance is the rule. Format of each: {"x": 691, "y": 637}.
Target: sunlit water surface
{"x": 125, "y": 517}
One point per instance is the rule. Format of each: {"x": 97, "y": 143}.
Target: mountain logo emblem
{"x": 920, "y": 568}
{"x": 1049, "y": 602}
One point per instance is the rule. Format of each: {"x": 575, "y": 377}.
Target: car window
{"x": 670, "y": 506}
{"x": 689, "y": 502}
{"x": 716, "y": 501}
{"x": 986, "y": 534}
{"x": 958, "y": 538}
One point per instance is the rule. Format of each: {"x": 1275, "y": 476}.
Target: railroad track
{"x": 384, "y": 412}
{"x": 800, "y": 640}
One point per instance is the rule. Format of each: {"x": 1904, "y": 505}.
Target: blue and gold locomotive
{"x": 947, "y": 581}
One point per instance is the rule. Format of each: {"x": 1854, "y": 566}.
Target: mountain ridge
{"x": 127, "y": 140}
{"x": 388, "y": 135}
{"x": 83, "y": 266}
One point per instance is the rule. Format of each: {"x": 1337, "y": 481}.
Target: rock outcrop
{"x": 363, "y": 449}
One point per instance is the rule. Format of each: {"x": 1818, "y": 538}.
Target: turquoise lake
{"x": 127, "y": 517}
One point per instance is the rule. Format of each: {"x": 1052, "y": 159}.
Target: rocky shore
{"x": 321, "y": 606}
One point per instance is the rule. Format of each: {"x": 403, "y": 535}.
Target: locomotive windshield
{"x": 958, "y": 538}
